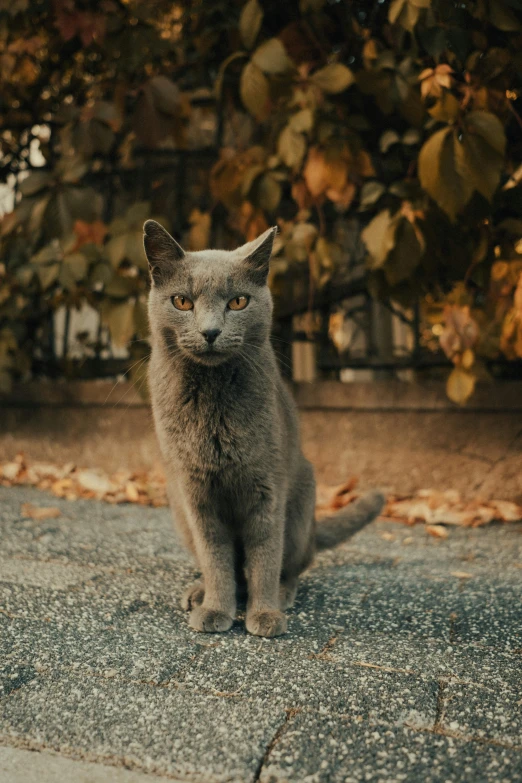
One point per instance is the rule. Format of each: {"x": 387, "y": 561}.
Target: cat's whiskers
{"x": 124, "y": 374}
{"x": 282, "y": 358}
{"x": 260, "y": 370}
{"x": 132, "y": 384}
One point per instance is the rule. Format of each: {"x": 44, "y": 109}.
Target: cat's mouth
{"x": 207, "y": 354}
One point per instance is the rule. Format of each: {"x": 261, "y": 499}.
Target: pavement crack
{"x": 291, "y": 713}
{"x": 441, "y": 705}
{"x": 323, "y": 654}
{"x": 392, "y": 669}
{"x": 452, "y": 628}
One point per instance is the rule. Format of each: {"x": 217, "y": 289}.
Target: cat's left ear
{"x": 162, "y": 251}
{"x": 258, "y": 253}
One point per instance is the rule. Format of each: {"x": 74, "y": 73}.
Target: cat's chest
{"x": 209, "y": 431}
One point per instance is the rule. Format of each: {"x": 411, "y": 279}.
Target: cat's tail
{"x": 331, "y": 531}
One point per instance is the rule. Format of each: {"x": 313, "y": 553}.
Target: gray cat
{"x": 241, "y": 491}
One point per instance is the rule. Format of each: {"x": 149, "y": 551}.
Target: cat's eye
{"x": 238, "y": 303}
{"x": 181, "y": 302}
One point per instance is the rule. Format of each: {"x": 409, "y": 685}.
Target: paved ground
{"x": 403, "y": 660}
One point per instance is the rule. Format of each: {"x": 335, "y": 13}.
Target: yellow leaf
{"x": 439, "y": 174}
{"x": 379, "y": 237}
{"x": 120, "y": 320}
{"x": 255, "y": 91}
{"x": 468, "y": 359}
{"x": 446, "y": 109}
{"x": 291, "y": 147}
{"x": 40, "y": 512}
{"x": 333, "y": 78}
{"x": 460, "y": 385}
{"x": 437, "y": 531}
{"x": 250, "y": 22}
{"x": 271, "y": 57}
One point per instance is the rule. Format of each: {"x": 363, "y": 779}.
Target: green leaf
{"x": 71, "y": 170}
{"x": 141, "y": 318}
{"x": 35, "y": 182}
{"x": 405, "y": 255}
{"x": 271, "y": 57}
{"x": 121, "y": 287}
{"x": 48, "y": 274}
{"x": 487, "y": 125}
{"x": 502, "y": 17}
{"x": 77, "y": 264}
{"x": 115, "y": 249}
{"x": 268, "y": 193}
{"x": 480, "y": 154}
{"x": 137, "y": 214}
{"x": 51, "y": 252}
{"x": 250, "y": 22}
{"x": 134, "y": 250}
{"x": 446, "y": 109}
{"x": 333, "y": 78}
{"x": 255, "y": 91}
{"x": 439, "y": 175}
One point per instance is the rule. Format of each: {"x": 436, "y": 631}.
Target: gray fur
{"x": 241, "y": 491}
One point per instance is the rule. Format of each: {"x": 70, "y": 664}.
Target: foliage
{"x": 403, "y": 115}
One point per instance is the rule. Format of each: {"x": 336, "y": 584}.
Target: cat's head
{"x": 213, "y": 304}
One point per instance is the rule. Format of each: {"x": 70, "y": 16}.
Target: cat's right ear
{"x": 162, "y": 251}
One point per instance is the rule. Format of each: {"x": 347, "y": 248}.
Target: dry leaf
{"x": 40, "y": 512}
{"x": 437, "y": 531}
{"x": 11, "y": 470}
{"x": 462, "y": 574}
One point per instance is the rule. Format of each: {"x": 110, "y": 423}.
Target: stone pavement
{"x": 403, "y": 660}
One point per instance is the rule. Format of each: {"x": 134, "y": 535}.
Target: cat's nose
{"x": 211, "y": 335}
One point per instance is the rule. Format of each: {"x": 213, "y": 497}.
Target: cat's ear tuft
{"x": 162, "y": 251}
{"x": 258, "y": 256}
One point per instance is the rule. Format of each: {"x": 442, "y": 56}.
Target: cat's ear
{"x": 162, "y": 251}
{"x": 258, "y": 252}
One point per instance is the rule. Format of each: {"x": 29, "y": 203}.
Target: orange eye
{"x": 182, "y": 302}
{"x": 238, "y": 303}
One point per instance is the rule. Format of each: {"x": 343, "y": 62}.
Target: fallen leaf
{"x": 95, "y": 481}
{"x": 131, "y": 492}
{"x": 462, "y": 575}
{"x": 437, "y": 531}
{"x": 388, "y": 536}
{"x": 40, "y": 512}
{"x": 11, "y": 470}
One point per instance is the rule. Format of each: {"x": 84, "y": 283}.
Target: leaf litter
{"x": 437, "y": 510}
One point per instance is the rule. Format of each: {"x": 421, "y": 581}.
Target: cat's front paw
{"x": 193, "y": 596}
{"x": 209, "y": 620}
{"x": 269, "y": 622}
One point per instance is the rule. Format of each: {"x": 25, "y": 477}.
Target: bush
{"x": 404, "y": 114}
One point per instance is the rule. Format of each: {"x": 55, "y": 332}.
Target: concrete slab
{"x": 196, "y": 737}
{"x": 26, "y": 766}
{"x": 327, "y": 749}
{"x": 484, "y": 711}
{"x": 395, "y": 667}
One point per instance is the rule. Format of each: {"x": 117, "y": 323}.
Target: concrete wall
{"x": 401, "y": 436}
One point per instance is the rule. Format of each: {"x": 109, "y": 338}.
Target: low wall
{"x": 397, "y": 435}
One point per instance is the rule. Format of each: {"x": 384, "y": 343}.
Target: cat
{"x": 241, "y": 491}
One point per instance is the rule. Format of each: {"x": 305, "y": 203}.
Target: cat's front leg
{"x": 263, "y": 542}
{"x": 215, "y": 553}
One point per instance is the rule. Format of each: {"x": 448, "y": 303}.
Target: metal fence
{"x": 335, "y": 331}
